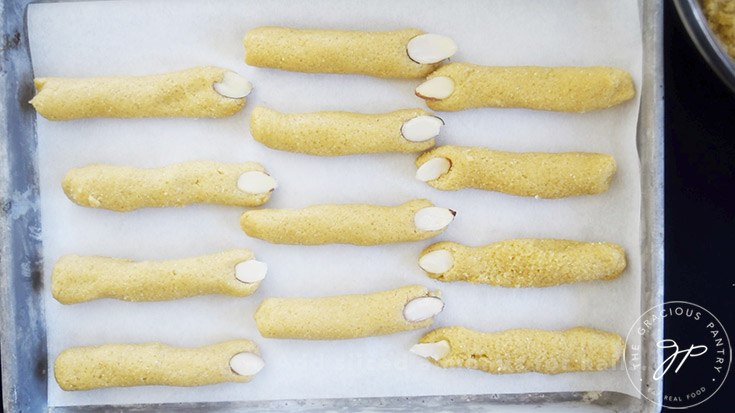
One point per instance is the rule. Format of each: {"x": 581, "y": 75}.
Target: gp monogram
{"x": 696, "y": 353}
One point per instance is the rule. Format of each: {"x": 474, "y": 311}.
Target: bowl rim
{"x": 707, "y": 43}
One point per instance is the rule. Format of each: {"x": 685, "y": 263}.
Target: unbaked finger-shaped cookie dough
{"x": 358, "y": 224}
{"x": 524, "y": 262}
{"x": 348, "y": 316}
{"x": 125, "y": 188}
{"x": 76, "y": 279}
{"x": 459, "y": 86}
{"x": 408, "y": 53}
{"x": 125, "y": 365}
{"x": 207, "y": 91}
{"x": 522, "y": 350}
{"x": 543, "y": 175}
{"x": 343, "y": 133}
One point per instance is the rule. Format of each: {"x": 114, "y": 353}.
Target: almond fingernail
{"x": 421, "y": 128}
{"x": 433, "y": 169}
{"x": 431, "y": 48}
{"x": 436, "y": 350}
{"x": 246, "y": 364}
{"x": 251, "y": 271}
{"x": 433, "y": 218}
{"x": 437, "y": 262}
{"x": 233, "y": 86}
{"x": 422, "y": 308}
{"x": 256, "y": 182}
{"x": 436, "y": 88}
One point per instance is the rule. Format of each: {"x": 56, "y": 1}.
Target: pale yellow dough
{"x": 358, "y": 224}
{"x": 528, "y": 350}
{"x": 335, "y": 133}
{"x": 186, "y": 93}
{"x": 380, "y": 54}
{"x": 721, "y": 18}
{"x": 124, "y": 188}
{"x": 125, "y": 365}
{"x": 545, "y": 175}
{"x": 76, "y": 279}
{"x": 339, "y": 317}
{"x": 564, "y": 89}
{"x": 532, "y": 262}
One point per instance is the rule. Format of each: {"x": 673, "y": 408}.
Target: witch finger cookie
{"x": 125, "y": 188}
{"x": 125, "y": 365}
{"x": 534, "y": 174}
{"x": 358, "y": 224}
{"x": 344, "y": 133}
{"x": 459, "y": 86}
{"x": 348, "y": 316}
{"x": 524, "y": 262}
{"x": 407, "y": 53}
{"x": 206, "y": 91}
{"x": 76, "y": 279}
{"x": 522, "y": 350}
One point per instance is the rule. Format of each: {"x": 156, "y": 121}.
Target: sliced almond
{"x": 436, "y": 88}
{"x": 246, "y": 364}
{"x": 422, "y": 308}
{"x": 256, "y": 182}
{"x": 433, "y": 218}
{"x": 251, "y": 271}
{"x": 421, "y": 128}
{"x": 431, "y": 48}
{"x": 437, "y": 350}
{"x": 433, "y": 169}
{"x": 233, "y": 86}
{"x": 437, "y": 262}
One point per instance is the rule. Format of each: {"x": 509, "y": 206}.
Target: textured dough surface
{"x": 125, "y": 188}
{"x": 76, "y": 279}
{"x": 359, "y": 224}
{"x": 339, "y": 317}
{"x": 721, "y": 19}
{"x": 335, "y": 133}
{"x": 528, "y": 350}
{"x": 563, "y": 89}
{"x": 186, "y": 93}
{"x": 124, "y": 365}
{"x": 380, "y": 54}
{"x": 546, "y": 175}
{"x": 532, "y": 262}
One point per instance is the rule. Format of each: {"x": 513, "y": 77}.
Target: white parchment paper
{"x": 138, "y": 38}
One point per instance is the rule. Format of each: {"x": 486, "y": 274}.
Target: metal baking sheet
{"x": 23, "y": 322}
